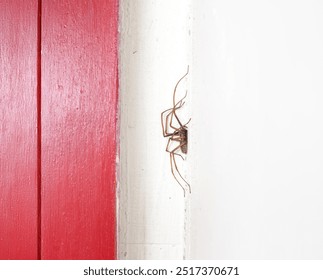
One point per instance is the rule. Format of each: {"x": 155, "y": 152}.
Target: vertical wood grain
{"x": 18, "y": 129}
{"x": 79, "y": 97}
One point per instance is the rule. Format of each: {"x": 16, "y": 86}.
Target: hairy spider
{"x": 177, "y": 136}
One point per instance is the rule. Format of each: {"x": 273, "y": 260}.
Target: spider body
{"x": 177, "y": 134}
{"x": 183, "y": 134}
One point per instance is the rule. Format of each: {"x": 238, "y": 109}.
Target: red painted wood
{"x": 79, "y": 98}
{"x": 18, "y": 129}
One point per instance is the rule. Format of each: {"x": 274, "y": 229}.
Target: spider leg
{"x": 165, "y": 126}
{"x": 178, "y": 84}
{"x": 174, "y": 114}
{"x": 174, "y": 94}
{"x": 181, "y": 100}
{"x": 172, "y": 159}
{"x": 182, "y": 103}
{"x": 174, "y": 164}
{"x": 172, "y": 152}
{"x": 187, "y": 122}
{"x": 167, "y": 148}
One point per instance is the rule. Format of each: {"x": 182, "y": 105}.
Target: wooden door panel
{"x": 18, "y": 129}
{"x": 79, "y": 98}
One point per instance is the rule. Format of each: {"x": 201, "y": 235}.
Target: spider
{"x": 177, "y": 136}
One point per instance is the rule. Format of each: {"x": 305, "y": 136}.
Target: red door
{"x": 18, "y": 129}
{"x": 58, "y": 129}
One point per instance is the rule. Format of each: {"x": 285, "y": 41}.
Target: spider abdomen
{"x": 183, "y": 136}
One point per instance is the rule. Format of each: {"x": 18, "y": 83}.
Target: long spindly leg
{"x": 174, "y": 95}
{"x": 172, "y": 159}
{"x": 173, "y": 153}
{"x": 187, "y": 122}
{"x": 182, "y": 103}
{"x": 164, "y": 127}
{"x": 176, "y": 108}
{"x": 178, "y": 84}
{"x": 179, "y": 104}
{"x": 189, "y": 186}
{"x": 168, "y": 123}
{"x": 174, "y": 114}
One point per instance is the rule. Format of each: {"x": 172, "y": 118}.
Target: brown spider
{"x": 177, "y": 135}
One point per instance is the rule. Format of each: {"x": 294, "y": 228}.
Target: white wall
{"x": 255, "y": 156}
{"x": 257, "y": 130}
{"x": 154, "y": 53}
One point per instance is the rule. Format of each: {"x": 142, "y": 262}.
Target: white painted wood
{"x": 257, "y": 134}
{"x": 155, "y": 50}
